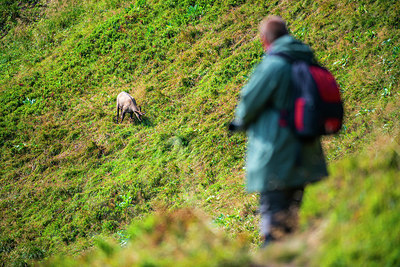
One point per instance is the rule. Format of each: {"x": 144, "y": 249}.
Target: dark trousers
{"x": 279, "y": 210}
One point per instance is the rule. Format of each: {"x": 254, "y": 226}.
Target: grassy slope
{"x": 71, "y": 174}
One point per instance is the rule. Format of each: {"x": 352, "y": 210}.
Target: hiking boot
{"x": 267, "y": 240}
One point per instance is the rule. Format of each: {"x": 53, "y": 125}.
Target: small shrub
{"x": 7, "y": 245}
{"x": 34, "y": 253}
{"x": 110, "y": 225}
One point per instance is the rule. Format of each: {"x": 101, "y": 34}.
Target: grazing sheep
{"x": 127, "y": 104}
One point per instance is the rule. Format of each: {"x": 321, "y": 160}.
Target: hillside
{"x": 70, "y": 175}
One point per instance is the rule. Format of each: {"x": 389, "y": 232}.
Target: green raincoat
{"x": 276, "y": 159}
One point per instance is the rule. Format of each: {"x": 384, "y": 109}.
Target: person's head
{"x": 271, "y": 28}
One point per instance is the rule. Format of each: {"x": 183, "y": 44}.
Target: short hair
{"x": 273, "y": 27}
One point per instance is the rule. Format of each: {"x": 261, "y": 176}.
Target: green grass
{"x": 70, "y": 175}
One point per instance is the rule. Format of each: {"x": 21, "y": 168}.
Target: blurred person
{"x": 279, "y": 165}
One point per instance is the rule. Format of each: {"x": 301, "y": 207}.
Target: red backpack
{"x": 317, "y": 107}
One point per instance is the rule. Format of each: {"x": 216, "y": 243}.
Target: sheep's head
{"x": 139, "y": 114}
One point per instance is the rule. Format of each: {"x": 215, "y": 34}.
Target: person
{"x": 278, "y": 164}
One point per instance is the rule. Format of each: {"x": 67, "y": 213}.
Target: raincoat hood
{"x": 294, "y": 48}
